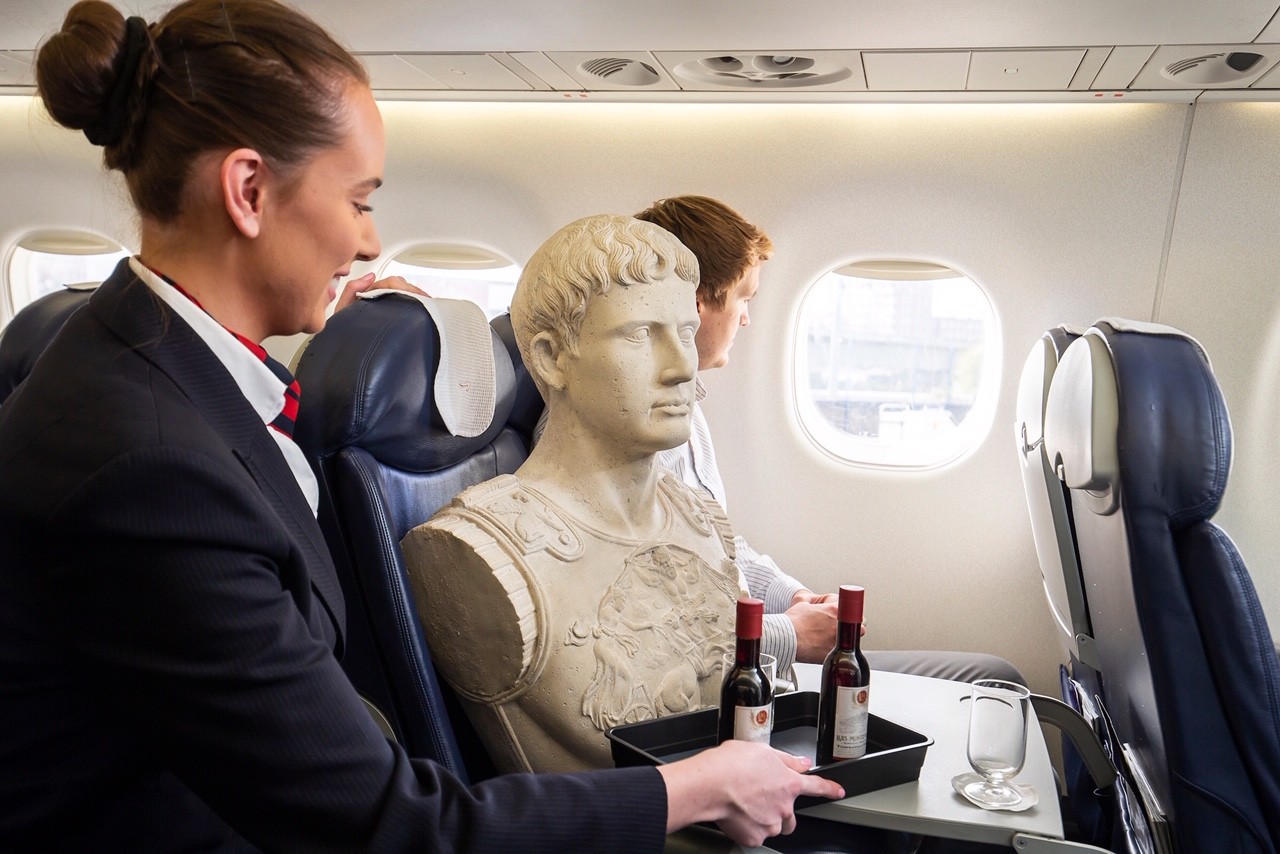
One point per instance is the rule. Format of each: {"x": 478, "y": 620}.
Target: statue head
{"x": 588, "y": 257}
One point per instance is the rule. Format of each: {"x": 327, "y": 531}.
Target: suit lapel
{"x": 129, "y": 308}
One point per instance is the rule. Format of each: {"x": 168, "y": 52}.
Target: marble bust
{"x": 590, "y": 588}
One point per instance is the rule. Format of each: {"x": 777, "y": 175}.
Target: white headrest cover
{"x": 1033, "y": 390}
{"x": 465, "y": 387}
{"x": 1081, "y": 417}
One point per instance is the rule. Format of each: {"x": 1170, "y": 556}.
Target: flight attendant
{"x": 169, "y": 616}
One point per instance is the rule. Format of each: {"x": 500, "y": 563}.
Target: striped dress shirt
{"x": 695, "y": 463}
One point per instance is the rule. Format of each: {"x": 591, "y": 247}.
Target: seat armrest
{"x": 1074, "y": 726}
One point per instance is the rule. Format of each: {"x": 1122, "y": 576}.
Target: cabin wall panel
{"x": 1059, "y": 211}
{"x": 1221, "y": 287}
{"x": 53, "y": 178}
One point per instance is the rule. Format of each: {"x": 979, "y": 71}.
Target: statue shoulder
{"x": 475, "y": 593}
{"x": 521, "y": 516}
{"x": 698, "y": 508}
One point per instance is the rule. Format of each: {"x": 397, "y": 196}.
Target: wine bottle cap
{"x": 851, "y": 598}
{"x": 750, "y": 618}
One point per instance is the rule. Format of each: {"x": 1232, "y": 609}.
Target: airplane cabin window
{"x": 458, "y": 272}
{"x": 897, "y": 364}
{"x": 44, "y": 261}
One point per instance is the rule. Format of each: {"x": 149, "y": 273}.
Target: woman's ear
{"x": 544, "y": 351}
{"x": 243, "y": 177}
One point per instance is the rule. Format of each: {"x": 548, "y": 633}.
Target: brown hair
{"x": 725, "y": 244}
{"x": 211, "y": 75}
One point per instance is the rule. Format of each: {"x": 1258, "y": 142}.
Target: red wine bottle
{"x": 846, "y": 680}
{"x": 746, "y": 700}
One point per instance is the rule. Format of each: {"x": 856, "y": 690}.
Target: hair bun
{"x": 110, "y": 128}
{"x": 87, "y": 72}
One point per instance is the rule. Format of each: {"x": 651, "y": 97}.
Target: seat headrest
{"x": 1135, "y": 408}
{"x": 1033, "y": 386}
{"x": 368, "y": 380}
{"x": 31, "y": 330}
{"x": 1080, "y": 421}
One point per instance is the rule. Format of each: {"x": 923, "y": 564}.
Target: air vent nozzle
{"x": 1208, "y": 69}
{"x": 621, "y": 71}
{"x": 761, "y": 70}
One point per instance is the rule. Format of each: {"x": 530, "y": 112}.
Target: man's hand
{"x": 815, "y": 626}
{"x": 814, "y": 617}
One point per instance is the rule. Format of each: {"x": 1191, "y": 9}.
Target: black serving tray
{"x": 894, "y": 753}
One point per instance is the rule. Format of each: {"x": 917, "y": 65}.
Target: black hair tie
{"x": 110, "y": 129}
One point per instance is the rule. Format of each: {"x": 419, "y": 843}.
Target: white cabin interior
{"x": 1088, "y": 181}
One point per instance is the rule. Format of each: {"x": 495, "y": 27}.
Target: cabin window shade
{"x": 458, "y": 272}
{"x": 897, "y": 364}
{"x": 46, "y": 261}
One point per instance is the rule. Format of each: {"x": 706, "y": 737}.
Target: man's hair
{"x": 725, "y": 244}
{"x": 587, "y": 257}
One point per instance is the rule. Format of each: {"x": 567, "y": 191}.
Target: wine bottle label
{"x": 751, "y": 723}
{"x": 851, "y": 723}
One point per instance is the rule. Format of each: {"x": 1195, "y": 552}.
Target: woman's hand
{"x": 354, "y": 287}
{"x": 748, "y": 789}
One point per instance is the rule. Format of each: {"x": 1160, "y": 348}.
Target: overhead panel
{"x": 1122, "y": 66}
{"x": 474, "y": 72}
{"x": 1004, "y": 70}
{"x": 910, "y": 71}
{"x": 1206, "y": 66}
{"x": 540, "y": 66}
{"x": 615, "y": 71}
{"x": 1270, "y": 80}
{"x": 1089, "y": 67}
{"x": 16, "y": 68}
{"x": 763, "y": 71}
{"x": 389, "y": 71}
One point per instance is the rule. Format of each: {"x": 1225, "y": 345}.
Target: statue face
{"x": 631, "y": 382}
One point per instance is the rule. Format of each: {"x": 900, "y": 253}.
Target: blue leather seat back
{"x": 1138, "y": 430}
{"x": 385, "y": 463}
{"x": 528, "y": 405}
{"x": 26, "y": 336}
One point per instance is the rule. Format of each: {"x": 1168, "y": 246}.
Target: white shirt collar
{"x": 262, "y": 388}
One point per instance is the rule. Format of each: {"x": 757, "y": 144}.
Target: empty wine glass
{"x": 997, "y": 741}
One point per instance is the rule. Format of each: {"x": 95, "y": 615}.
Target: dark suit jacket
{"x": 169, "y": 618}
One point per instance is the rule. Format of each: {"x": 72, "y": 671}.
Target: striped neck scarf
{"x": 282, "y": 423}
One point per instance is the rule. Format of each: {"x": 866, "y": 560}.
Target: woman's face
{"x": 323, "y": 223}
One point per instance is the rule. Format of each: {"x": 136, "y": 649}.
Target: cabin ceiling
{"x": 775, "y": 50}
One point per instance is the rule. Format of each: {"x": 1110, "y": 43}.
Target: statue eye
{"x": 640, "y": 334}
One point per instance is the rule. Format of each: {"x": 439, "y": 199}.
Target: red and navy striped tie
{"x": 289, "y": 414}
{"x": 282, "y": 423}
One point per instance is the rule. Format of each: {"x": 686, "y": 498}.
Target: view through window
{"x": 45, "y": 262}
{"x": 458, "y": 272}
{"x": 898, "y": 363}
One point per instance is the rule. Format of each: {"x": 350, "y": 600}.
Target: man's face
{"x": 631, "y": 381}
{"x": 720, "y": 325}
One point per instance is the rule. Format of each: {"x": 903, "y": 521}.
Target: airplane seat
{"x": 1137, "y": 429}
{"x": 1053, "y": 531}
{"x": 1047, "y": 501}
{"x": 528, "y": 405}
{"x": 373, "y": 424}
{"x": 25, "y": 337}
